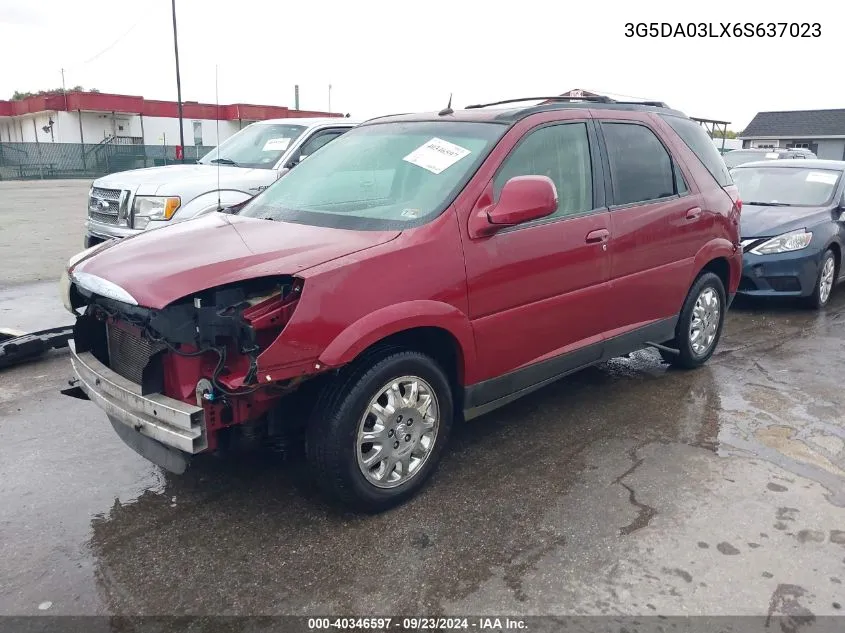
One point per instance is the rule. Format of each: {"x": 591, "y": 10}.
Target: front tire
{"x": 824, "y": 282}
{"x": 379, "y": 428}
{"x": 700, "y": 323}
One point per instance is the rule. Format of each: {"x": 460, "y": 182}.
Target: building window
{"x": 197, "y": 132}
{"x": 798, "y": 145}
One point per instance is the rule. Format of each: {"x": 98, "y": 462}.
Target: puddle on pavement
{"x": 250, "y": 535}
{"x": 782, "y": 399}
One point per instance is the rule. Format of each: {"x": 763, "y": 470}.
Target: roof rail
{"x": 598, "y": 99}
{"x": 656, "y": 104}
{"x": 594, "y": 99}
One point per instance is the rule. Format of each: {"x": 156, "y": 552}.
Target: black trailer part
{"x": 16, "y": 349}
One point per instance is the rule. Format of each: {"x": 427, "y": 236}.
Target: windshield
{"x": 739, "y": 157}
{"x": 259, "y": 145}
{"x": 786, "y": 186}
{"x": 382, "y": 176}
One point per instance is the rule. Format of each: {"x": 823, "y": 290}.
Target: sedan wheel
{"x": 826, "y": 279}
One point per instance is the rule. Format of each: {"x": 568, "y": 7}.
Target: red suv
{"x": 420, "y": 269}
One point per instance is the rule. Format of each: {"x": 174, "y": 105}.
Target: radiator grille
{"x": 104, "y": 205}
{"x": 103, "y": 218}
{"x": 129, "y": 354}
{"x": 112, "y": 195}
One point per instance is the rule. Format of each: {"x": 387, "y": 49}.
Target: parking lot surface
{"x": 625, "y": 489}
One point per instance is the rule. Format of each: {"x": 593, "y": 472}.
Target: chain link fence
{"x": 33, "y": 161}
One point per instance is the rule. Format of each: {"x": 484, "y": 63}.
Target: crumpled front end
{"x": 173, "y": 380}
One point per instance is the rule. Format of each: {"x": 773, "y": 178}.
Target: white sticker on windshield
{"x": 276, "y": 145}
{"x": 821, "y": 176}
{"x": 771, "y": 155}
{"x": 437, "y": 155}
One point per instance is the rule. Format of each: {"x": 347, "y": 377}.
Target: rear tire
{"x": 824, "y": 282}
{"x": 402, "y": 402}
{"x": 700, "y": 323}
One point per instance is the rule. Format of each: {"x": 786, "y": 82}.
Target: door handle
{"x": 597, "y": 236}
{"x": 694, "y": 213}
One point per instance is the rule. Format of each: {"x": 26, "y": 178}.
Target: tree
{"x": 19, "y": 96}
{"x": 728, "y": 134}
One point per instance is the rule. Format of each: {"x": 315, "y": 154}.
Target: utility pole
{"x": 64, "y": 92}
{"x": 330, "y": 97}
{"x": 178, "y": 80}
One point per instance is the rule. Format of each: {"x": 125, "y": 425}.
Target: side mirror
{"x": 523, "y": 198}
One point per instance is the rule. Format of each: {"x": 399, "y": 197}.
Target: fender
{"x": 715, "y": 248}
{"x": 393, "y": 319}
{"x": 207, "y": 202}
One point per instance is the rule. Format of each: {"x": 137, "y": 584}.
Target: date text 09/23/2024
{"x": 380, "y": 624}
{"x": 723, "y": 29}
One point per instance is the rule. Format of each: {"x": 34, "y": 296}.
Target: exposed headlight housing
{"x": 792, "y": 241}
{"x": 146, "y": 208}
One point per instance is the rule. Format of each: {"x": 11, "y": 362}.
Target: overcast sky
{"x": 382, "y": 57}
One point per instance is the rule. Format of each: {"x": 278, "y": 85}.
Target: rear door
{"x": 657, "y": 223}
{"x": 537, "y": 291}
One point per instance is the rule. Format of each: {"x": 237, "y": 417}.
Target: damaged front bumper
{"x": 172, "y": 423}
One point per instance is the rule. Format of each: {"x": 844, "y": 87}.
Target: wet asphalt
{"x": 628, "y": 488}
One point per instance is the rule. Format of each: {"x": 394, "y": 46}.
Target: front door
{"x": 537, "y": 291}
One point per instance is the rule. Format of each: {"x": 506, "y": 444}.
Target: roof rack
{"x": 598, "y": 99}
{"x": 594, "y": 99}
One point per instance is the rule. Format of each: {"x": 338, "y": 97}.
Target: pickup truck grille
{"x": 104, "y": 205}
{"x": 129, "y": 354}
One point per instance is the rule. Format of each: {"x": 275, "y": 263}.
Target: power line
{"x": 107, "y": 48}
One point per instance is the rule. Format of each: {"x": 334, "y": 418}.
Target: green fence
{"x": 32, "y": 161}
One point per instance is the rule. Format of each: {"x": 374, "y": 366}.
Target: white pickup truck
{"x": 128, "y": 202}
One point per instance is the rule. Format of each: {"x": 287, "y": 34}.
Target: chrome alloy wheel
{"x": 705, "y": 321}
{"x": 397, "y": 432}
{"x": 826, "y": 280}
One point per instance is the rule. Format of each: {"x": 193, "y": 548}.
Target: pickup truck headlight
{"x": 792, "y": 241}
{"x": 146, "y": 208}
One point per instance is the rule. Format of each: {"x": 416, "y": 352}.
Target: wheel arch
{"x": 836, "y": 247}
{"x": 721, "y": 258}
{"x": 432, "y": 327}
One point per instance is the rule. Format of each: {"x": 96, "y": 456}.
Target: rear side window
{"x": 702, "y": 146}
{"x": 640, "y": 167}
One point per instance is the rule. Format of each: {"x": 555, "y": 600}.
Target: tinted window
{"x": 316, "y": 142}
{"x": 561, "y": 152}
{"x": 640, "y": 167}
{"x": 680, "y": 183}
{"x": 702, "y": 146}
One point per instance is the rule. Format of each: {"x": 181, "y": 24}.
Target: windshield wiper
{"x": 224, "y": 161}
{"x": 767, "y": 204}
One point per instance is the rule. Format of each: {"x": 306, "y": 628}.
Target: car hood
{"x": 175, "y": 180}
{"x": 160, "y": 266}
{"x": 761, "y": 221}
